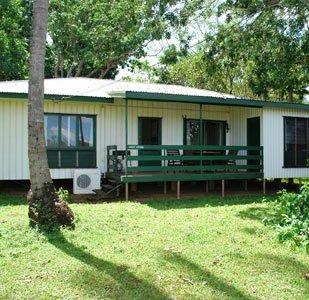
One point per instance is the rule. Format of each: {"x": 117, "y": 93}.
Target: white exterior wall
{"x": 172, "y": 115}
{"x": 110, "y": 128}
{"x": 239, "y": 116}
{"x": 14, "y": 138}
{"x": 274, "y": 143}
{"x": 238, "y": 127}
{"x": 111, "y": 131}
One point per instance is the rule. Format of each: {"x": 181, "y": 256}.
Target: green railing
{"x": 190, "y": 163}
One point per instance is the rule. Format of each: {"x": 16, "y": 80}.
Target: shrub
{"x": 64, "y": 195}
{"x": 290, "y": 216}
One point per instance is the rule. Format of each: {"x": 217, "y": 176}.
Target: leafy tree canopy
{"x": 259, "y": 50}
{"x": 14, "y": 38}
{"x": 86, "y": 38}
{"x": 256, "y": 48}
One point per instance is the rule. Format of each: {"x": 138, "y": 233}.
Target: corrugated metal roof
{"x": 103, "y": 90}
{"x": 89, "y": 87}
{"x": 122, "y": 86}
{"x": 59, "y": 86}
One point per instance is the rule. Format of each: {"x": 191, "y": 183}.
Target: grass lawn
{"x": 188, "y": 249}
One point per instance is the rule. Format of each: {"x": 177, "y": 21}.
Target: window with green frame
{"x": 213, "y": 132}
{"x": 70, "y": 140}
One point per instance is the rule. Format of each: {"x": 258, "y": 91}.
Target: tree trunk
{"x": 290, "y": 96}
{"x": 56, "y": 68}
{"x": 45, "y": 207}
{"x": 231, "y": 82}
{"x": 79, "y": 68}
{"x": 92, "y": 73}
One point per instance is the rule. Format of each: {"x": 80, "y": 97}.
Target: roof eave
{"x": 59, "y": 98}
{"x": 162, "y": 97}
{"x": 118, "y": 94}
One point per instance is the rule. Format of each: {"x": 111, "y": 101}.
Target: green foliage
{"x": 64, "y": 195}
{"x": 200, "y": 70}
{"x": 14, "y": 38}
{"x": 290, "y": 216}
{"x": 92, "y": 38}
{"x": 259, "y": 49}
{"x": 276, "y": 40}
{"x": 49, "y": 212}
{"x": 85, "y": 38}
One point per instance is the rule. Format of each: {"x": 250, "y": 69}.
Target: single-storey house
{"x": 142, "y": 132}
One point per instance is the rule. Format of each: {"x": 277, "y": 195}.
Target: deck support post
{"x": 164, "y": 188}
{"x": 264, "y": 186}
{"x": 117, "y": 191}
{"x": 246, "y": 185}
{"x": 178, "y": 189}
{"x": 207, "y": 186}
{"x": 223, "y": 188}
{"x": 127, "y": 191}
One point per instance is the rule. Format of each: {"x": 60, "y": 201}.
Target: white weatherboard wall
{"x": 238, "y": 127}
{"x": 172, "y": 115}
{"x": 111, "y": 131}
{"x": 110, "y": 128}
{"x": 14, "y": 140}
{"x": 238, "y": 124}
{"x": 273, "y": 133}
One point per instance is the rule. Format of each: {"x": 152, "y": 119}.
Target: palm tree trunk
{"x": 45, "y": 207}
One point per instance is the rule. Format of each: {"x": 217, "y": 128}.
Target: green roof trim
{"x": 6, "y": 95}
{"x": 162, "y": 97}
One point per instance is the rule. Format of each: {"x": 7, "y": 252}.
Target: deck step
{"x": 108, "y": 186}
{"x": 112, "y": 180}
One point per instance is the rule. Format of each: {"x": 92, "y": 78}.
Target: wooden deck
{"x": 201, "y": 166}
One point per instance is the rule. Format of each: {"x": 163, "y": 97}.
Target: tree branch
{"x": 92, "y": 73}
{"x": 79, "y": 68}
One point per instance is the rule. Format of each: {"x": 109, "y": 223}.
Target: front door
{"x": 253, "y": 137}
{"x": 149, "y": 133}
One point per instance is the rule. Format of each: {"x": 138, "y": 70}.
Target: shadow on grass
{"x": 214, "y": 282}
{"x": 205, "y": 201}
{"x": 250, "y": 230}
{"x": 255, "y": 213}
{"x": 132, "y": 286}
{"x": 282, "y": 264}
{"x": 6, "y": 200}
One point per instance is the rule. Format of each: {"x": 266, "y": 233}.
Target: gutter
{"x": 59, "y": 98}
{"x": 162, "y": 97}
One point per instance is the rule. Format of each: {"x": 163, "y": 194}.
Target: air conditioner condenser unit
{"x": 86, "y": 180}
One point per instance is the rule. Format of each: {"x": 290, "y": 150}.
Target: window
{"x": 296, "y": 142}
{"x": 51, "y": 130}
{"x": 192, "y": 132}
{"x": 70, "y": 141}
{"x": 213, "y": 132}
{"x": 68, "y": 131}
{"x": 85, "y": 138}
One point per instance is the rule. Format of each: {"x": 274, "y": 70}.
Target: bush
{"x": 290, "y": 216}
{"x": 64, "y": 195}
